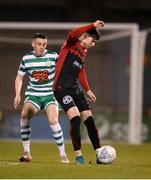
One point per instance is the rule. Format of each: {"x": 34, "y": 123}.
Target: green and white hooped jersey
{"x": 41, "y": 72}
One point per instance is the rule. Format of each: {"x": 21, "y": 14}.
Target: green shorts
{"x": 41, "y": 102}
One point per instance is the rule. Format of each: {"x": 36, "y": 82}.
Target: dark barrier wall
{"x": 10, "y": 128}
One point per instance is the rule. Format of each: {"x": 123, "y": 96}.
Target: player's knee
{"x": 53, "y": 122}
{"x": 73, "y": 112}
{"x": 26, "y": 115}
{"x": 86, "y": 114}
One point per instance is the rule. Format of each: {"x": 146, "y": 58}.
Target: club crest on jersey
{"x": 76, "y": 63}
{"x": 67, "y": 99}
{"x": 48, "y": 63}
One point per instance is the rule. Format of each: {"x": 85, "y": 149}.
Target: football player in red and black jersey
{"x": 70, "y": 73}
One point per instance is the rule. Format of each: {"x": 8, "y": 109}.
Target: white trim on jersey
{"x": 36, "y": 64}
{"x": 41, "y": 85}
{"x": 37, "y": 89}
{"x": 21, "y": 73}
{"x": 32, "y": 56}
{"x": 38, "y": 93}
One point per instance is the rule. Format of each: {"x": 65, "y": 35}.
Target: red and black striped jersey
{"x": 70, "y": 66}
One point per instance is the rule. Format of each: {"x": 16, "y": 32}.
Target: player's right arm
{"x": 19, "y": 81}
{"x": 84, "y": 83}
{"x": 18, "y": 86}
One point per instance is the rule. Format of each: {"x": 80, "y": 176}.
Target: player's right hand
{"x": 17, "y": 100}
{"x": 98, "y": 24}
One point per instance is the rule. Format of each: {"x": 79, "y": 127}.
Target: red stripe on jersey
{"x": 83, "y": 80}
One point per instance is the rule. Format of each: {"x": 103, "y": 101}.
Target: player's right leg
{"x": 28, "y": 111}
{"x": 67, "y": 103}
{"x": 75, "y": 121}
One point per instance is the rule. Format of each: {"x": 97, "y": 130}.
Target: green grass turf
{"x": 133, "y": 161}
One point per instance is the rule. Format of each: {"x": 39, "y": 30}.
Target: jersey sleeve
{"x": 75, "y": 33}
{"x": 57, "y": 55}
{"x": 22, "y": 68}
{"x": 83, "y": 80}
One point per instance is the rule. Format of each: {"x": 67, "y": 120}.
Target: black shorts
{"x": 70, "y": 98}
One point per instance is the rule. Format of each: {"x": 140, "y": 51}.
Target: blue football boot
{"x": 79, "y": 160}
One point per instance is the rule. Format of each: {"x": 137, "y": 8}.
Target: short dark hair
{"x": 39, "y": 35}
{"x": 94, "y": 33}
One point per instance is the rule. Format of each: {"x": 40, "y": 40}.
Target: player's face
{"x": 88, "y": 42}
{"x": 39, "y": 46}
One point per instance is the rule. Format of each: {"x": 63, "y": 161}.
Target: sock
{"x": 25, "y": 134}
{"x": 58, "y": 137}
{"x": 97, "y": 151}
{"x": 75, "y": 132}
{"x": 92, "y": 132}
{"x": 78, "y": 153}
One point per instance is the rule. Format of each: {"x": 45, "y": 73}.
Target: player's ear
{"x": 83, "y": 36}
{"x": 33, "y": 43}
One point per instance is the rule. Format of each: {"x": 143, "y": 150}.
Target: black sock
{"x": 75, "y": 132}
{"x": 92, "y": 132}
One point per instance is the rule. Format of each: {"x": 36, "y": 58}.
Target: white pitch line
{"x": 7, "y": 163}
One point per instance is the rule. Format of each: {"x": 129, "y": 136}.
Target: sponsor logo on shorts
{"x": 67, "y": 99}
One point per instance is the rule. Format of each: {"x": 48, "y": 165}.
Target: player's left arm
{"x": 75, "y": 33}
{"x": 84, "y": 82}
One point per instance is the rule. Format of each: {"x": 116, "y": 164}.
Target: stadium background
{"x": 134, "y": 11}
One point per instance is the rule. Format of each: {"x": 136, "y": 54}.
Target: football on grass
{"x": 106, "y": 154}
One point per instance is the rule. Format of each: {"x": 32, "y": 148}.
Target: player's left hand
{"x": 98, "y": 24}
{"x": 91, "y": 96}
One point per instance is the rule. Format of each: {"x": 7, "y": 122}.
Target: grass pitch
{"x": 133, "y": 161}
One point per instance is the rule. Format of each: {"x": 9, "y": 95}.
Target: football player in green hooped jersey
{"x": 40, "y": 66}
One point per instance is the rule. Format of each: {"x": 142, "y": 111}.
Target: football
{"x": 106, "y": 154}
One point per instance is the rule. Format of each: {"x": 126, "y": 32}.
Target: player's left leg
{"x": 52, "y": 114}
{"x": 91, "y": 128}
